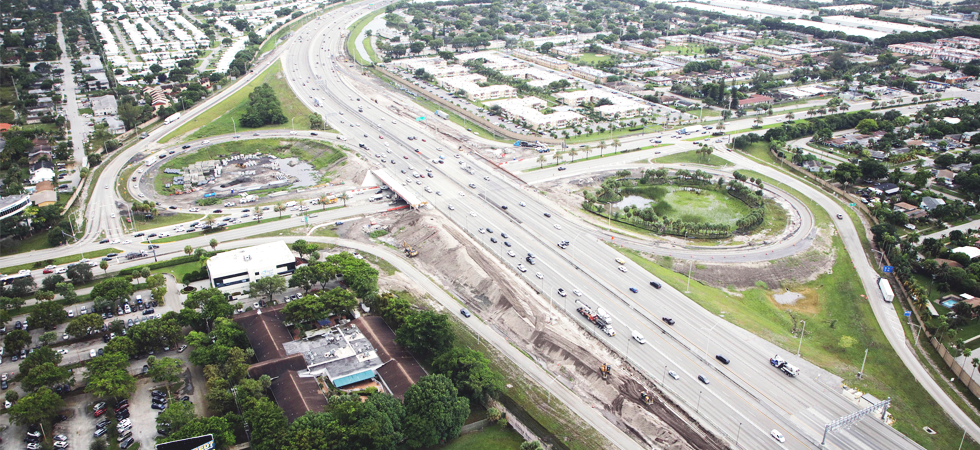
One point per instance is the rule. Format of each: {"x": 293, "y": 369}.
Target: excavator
{"x": 411, "y": 252}
{"x": 645, "y": 397}
{"x": 604, "y": 369}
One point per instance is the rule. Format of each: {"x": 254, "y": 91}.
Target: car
{"x": 557, "y": 227}
{"x": 539, "y": 275}
{"x": 521, "y": 268}
{"x": 622, "y": 269}
{"x": 841, "y": 217}
{"x": 493, "y": 239}
{"x": 160, "y": 406}
{"x": 639, "y": 337}
{"x": 451, "y": 207}
{"x": 655, "y": 284}
{"x": 60, "y": 438}
{"x": 33, "y": 446}
{"x": 723, "y": 359}
{"x": 668, "y": 320}
{"x": 104, "y": 241}
{"x": 182, "y": 348}
{"x": 93, "y": 353}
{"x": 634, "y": 290}
{"x": 777, "y": 436}
{"x": 127, "y": 443}
{"x": 523, "y": 204}
{"x": 547, "y": 215}
{"x": 47, "y": 270}
{"x": 473, "y": 213}
{"x": 562, "y": 168}
{"x": 562, "y": 292}
{"x": 703, "y": 379}
{"x": 99, "y": 432}
{"x": 100, "y": 412}
{"x": 511, "y": 253}
{"x": 673, "y": 375}
{"x": 124, "y": 436}
{"x": 464, "y": 312}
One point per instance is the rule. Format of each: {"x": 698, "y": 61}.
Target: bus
{"x": 9, "y": 279}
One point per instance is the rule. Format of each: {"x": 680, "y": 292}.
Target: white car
{"x": 577, "y": 292}
{"x": 557, "y": 227}
{"x": 473, "y": 213}
{"x": 50, "y": 267}
{"x": 61, "y": 270}
{"x": 114, "y": 241}
{"x": 538, "y": 274}
{"x": 92, "y": 353}
{"x": 522, "y": 204}
{"x": 511, "y": 253}
{"x": 451, "y": 207}
{"x": 255, "y": 305}
{"x": 164, "y": 235}
{"x": 462, "y": 194}
{"x": 113, "y": 215}
{"x": 674, "y": 375}
{"x": 639, "y": 337}
{"x": 63, "y": 351}
{"x": 777, "y": 435}
{"x": 622, "y": 269}
{"x": 521, "y": 268}
{"x": 71, "y": 313}
{"x": 127, "y": 241}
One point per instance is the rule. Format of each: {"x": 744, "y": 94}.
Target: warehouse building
{"x": 243, "y": 265}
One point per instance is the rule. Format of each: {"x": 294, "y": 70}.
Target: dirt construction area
{"x": 516, "y": 310}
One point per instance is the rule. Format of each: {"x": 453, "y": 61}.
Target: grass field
{"x": 609, "y": 136}
{"x": 218, "y": 119}
{"x": 370, "y": 50}
{"x": 595, "y": 154}
{"x": 492, "y": 437}
{"x": 62, "y": 260}
{"x": 708, "y": 206}
{"x": 691, "y": 157}
{"x": 165, "y": 220}
{"x": 183, "y": 236}
{"x": 355, "y": 31}
{"x": 592, "y": 58}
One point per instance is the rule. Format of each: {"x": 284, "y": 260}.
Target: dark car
{"x": 160, "y": 406}
{"x": 186, "y": 147}
{"x": 123, "y": 402}
{"x": 3, "y": 385}
{"x": 99, "y": 432}
{"x": 128, "y": 442}
{"x": 668, "y": 320}
{"x": 139, "y": 234}
{"x": 18, "y": 325}
{"x": 124, "y": 414}
{"x": 464, "y": 312}
{"x": 104, "y": 241}
{"x": 634, "y": 290}
{"x": 503, "y": 206}
{"x": 507, "y": 243}
{"x": 723, "y": 359}
{"x": 703, "y": 379}
{"x": 151, "y": 235}
{"x": 655, "y": 284}
{"x": 494, "y": 240}
{"x": 547, "y": 215}
{"x": 313, "y": 133}
{"x": 562, "y": 168}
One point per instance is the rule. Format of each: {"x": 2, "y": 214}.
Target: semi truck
{"x": 441, "y": 114}
{"x": 690, "y": 130}
{"x": 786, "y": 367}
{"x": 886, "y": 290}
{"x": 600, "y": 318}
{"x": 171, "y": 119}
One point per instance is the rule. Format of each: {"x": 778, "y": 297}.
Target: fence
{"x": 963, "y": 374}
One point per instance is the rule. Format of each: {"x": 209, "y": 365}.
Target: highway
{"x": 747, "y": 398}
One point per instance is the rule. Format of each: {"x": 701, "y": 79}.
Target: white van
{"x": 126, "y": 309}
{"x": 290, "y": 204}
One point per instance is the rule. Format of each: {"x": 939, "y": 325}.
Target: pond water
{"x": 787, "y": 298}
{"x": 633, "y": 200}
{"x": 304, "y": 172}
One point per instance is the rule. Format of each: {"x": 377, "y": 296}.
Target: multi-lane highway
{"x": 747, "y": 397}
{"x": 748, "y": 393}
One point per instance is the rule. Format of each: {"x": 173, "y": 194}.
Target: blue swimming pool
{"x": 950, "y": 303}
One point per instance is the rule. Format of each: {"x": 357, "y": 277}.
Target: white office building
{"x": 233, "y": 270}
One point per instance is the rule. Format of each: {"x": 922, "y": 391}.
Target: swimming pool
{"x": 950, "y": 303}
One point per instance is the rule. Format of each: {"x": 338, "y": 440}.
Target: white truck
{"x": 247, "y": 199}
{"x": 441, "y": 114}
{"x": 171, "y": 119}
{"x": 690, "y": 130}
{"x": 786, "y": 367}
{"x": 375, "y": 197}
{"x": 886, "y": 290}
{"x": 290, "y": 204}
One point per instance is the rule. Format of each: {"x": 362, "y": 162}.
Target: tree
{"x": 338, "y": 301}
{"x": 268, "y": 423}
{"x": 307, "y": 308}
{"x": 531, "y": 445}
{"x": 164, "y": 369}
{"x": 47, "y": 315}
{"x": 188, "y": 250}
{"x": 213, "y": 244}
{"x": 263, "y": 108}
{"x": 38, "y": 357}
{"x": 219, "y": 427}
{"x": 872, "y": 170}
{"x": 113, "y": 289}
{"x": 434, "y": 413}
{"x": 303, "y": 277}
{"x": 50, "y": 282}
{"x": 81, "y": 325}
{"x": 268, "y": 286}
{"x": 47, "y": 374}
{"x": 425, "y": 333}
{"x": 107, "y": 376}
{"x": 37, "y": 408}
{"x": 16, "y": 340}
{"x": 104, "y": 265}
{"x": 79, "y": 274}
{"x": 470, "y": 372}
{"x": 177, "y": 415}
{"x": 47, "y": 338}
{"x": 867, "y": 126}
{"x": 121, "y": 344}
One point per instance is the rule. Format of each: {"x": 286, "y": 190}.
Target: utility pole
{"x": 801, "y": 338}
{"x": 689, "y": 268}
{"x": 861, "y": 373}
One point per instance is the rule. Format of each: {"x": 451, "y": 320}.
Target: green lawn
{"x": 691, "y": 157}
{"x": 164, "y": 220}
{"x": 183, "y": 236}
{"x": 609, "y": 136}
{"x": 596, "y": 154}
{"x": 61, "y": 260}
{"x": 371, "y": 54}
{"x": 218, "y": 119}
{"x": 677, "y": 203}
{"x": 492, "y": 437}
{"x": 180, "y": 270}
{"x": 592, "y": 58}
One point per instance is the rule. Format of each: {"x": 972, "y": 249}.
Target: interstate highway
{"x": 749, "y": 391}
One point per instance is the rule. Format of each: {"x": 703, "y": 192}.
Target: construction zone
{"x": 568, "y": 346}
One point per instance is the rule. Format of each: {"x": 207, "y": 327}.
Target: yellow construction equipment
{"x": 604, "y": 369}
{"x": 645, "y": 397}
{"x": 411, "y": 252}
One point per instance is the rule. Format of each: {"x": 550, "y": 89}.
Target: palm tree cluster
{"x": 144, "y": 207}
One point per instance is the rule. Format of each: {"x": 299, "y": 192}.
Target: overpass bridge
{"x": 403, "y": 191}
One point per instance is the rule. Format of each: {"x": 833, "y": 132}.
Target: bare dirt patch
{"x": 779, "y": 274}
{"x": 553, "y": 340}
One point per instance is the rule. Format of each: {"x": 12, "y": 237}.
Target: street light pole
{"x": 861, "y": 373}
{"x": 739, "y": 433}
{"x": 801, "y": 338}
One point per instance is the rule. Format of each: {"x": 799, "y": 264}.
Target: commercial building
{"x": 877, "y": 25}
{"x": 104, "y": 105}
{"x": 529, "y": 111}
{"x": 12, "y": 205}
{"x": 229, "y": 270}
{"x": 905, "y": 13}
{"x": 469, "y": 84}
{"x": 857, "y": 7}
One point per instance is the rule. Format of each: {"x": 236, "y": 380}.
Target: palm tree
{"x": 213, "y": 244}
{"x": 602, "y": 147}
{"x": 188, "y": 249}
{"x": 974, "y": 363}
{"x": 344, "y": 197}
{"x": 616, "y": 144}
{"x": 541, "y": 159}
{"x": 323, "y": 201}
{"x": 279, "y": 208}
{"x": 258, "y": 213}
{"x": 572, "y": 153}
{"x": 209, "y": 221}
{"x": 790, "y": 116}
{"x": 586, "y": 149}
{"x": 558, "y": 156}
{"x": 844, "y": 107}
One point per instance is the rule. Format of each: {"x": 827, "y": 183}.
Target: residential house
{"x": 930, "y": 203}
{"x": 754, "y": 100}
{"x": 42, "y": 170}
{"x": 961, "y": 167}
{"x": 44, "y": 194}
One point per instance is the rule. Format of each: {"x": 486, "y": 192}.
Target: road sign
{"x": 888, "y": 269}
{"x": 908, "y": 313}
{"x": 853, "y": 205}
{"x": 421, "y": 118}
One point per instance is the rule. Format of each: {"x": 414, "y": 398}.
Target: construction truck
{"x": 600, "y": 319}
{"x": 604, "y": 369}
{"x": 645, "y": 397}
{"x": 411, "y": 252}
{"x": 786, "y": 367}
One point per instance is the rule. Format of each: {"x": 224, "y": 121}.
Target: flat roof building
{"x": 244, "y": 265}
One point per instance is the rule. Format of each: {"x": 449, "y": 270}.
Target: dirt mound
{"x": 553, "y": 340}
